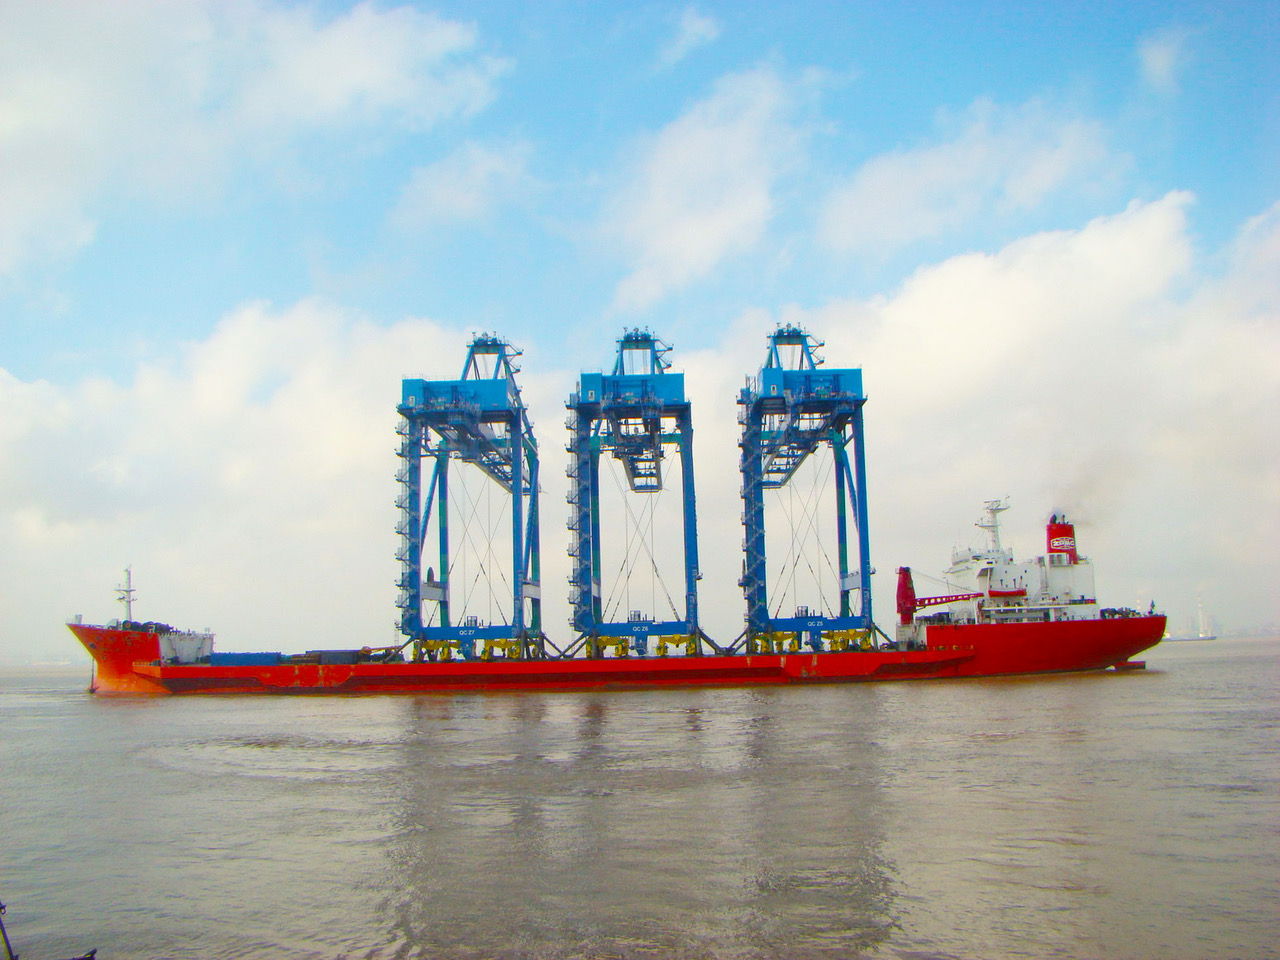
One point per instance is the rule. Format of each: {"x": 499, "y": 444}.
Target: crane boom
{"x": 909, "y": 603}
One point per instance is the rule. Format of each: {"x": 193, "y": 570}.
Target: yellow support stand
{"x": 775, "y": 642}
{"x": 510, "y": 648}
{"x": 597, "y": 646}
{"x": 849, "y": 640}
{"x": 689, "y": 642}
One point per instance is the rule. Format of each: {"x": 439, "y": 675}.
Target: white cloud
{"x": 158, "y": 100}
{"x": 1091, "y": 370}
{"x": 369, "y": 64}
{"x": 249, "y": 479}
{"x": 1095, "y": 370}
{"x": 997, "y": 162}
{"x": 466, "y": 185}
{"x": 694, "y": 30}
{"x": 701, "y": 190}
{"x": 1161, "y": 58}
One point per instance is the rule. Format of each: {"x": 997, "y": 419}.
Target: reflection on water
{"x": 1118, "y": 817}
{"x": 636, "y": 825}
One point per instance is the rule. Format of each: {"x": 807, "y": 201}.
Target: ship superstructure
{"x": 988, "y": 587}
{"x": 1057, "y": 585}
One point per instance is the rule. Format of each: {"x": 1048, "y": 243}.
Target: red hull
{"x": 127, "y": 663}
{"x": 1012, "y": 648}
{"x": 114, "y": 654}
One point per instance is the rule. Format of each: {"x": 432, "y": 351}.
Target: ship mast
{"x": 991, "y": 522}
{"x": 125, "y": 592}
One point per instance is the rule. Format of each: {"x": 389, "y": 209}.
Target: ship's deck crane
{"x": 787, "y": 413}
{"x": 478, "y": 419}
{"x": 909, "y": 603}
{"x": 632, "y": 414}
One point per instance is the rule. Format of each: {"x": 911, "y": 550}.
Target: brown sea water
{"x": 1108, "y": 816}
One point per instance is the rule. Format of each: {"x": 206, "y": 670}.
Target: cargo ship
{"x": 1004, "y": 618}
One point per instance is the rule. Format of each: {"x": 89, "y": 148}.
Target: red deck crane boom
{"x": 909, "y": 603}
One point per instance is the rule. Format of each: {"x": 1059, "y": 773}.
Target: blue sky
{"x": 1048, "y": 232}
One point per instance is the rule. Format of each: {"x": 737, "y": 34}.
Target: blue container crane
{"x": 794, "y": 407}
{"x": 479, "y": 419}
{"x": 632, "y": 414}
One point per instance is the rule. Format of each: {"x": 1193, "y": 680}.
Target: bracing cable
{"x": 635, "y": 539}
{"x": 471, "y": 547}
{"x": 803, "y": 529}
